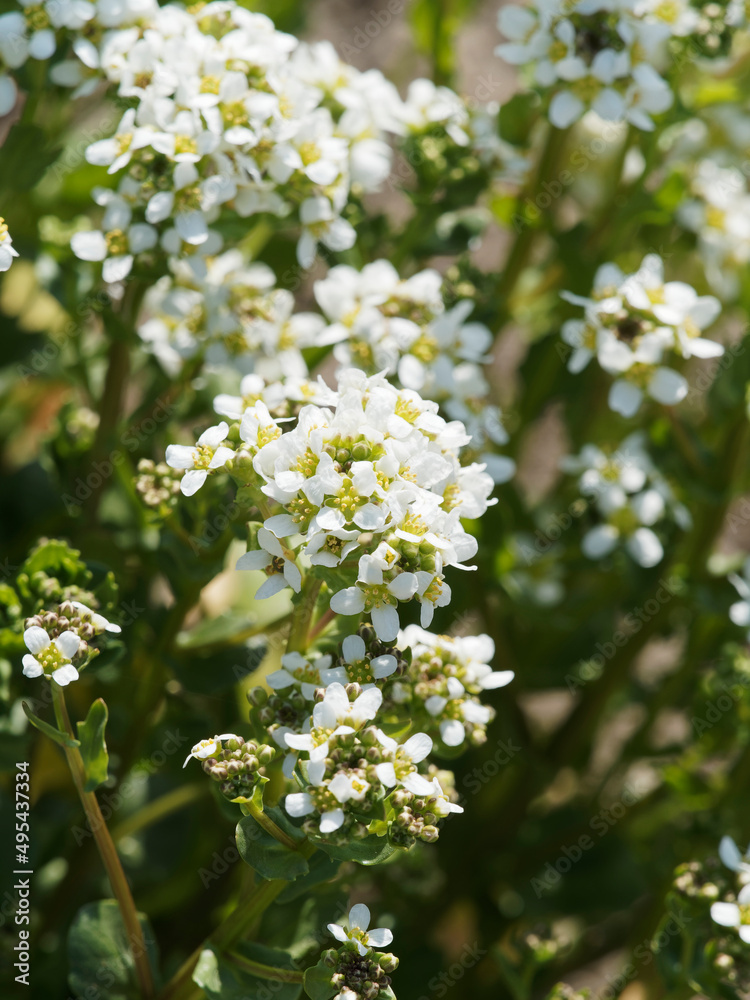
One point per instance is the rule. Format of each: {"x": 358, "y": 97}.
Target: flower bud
{"x": 257, "y": 696}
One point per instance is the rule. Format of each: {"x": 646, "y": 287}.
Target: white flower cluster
{"x": 58, "y": 641}
{"x": 737, "y": 914}
{"x": 7, "y": 252}
{"x": 228, "y": 313}
{"x": 231, "y": 112}
{"x": 369, "y": 485}
{"x": 351, "y": 766}
{"x": 630, "y": 322}
{"x": 717, "y": 210}
{"x": 400, "y": 327}
{"x": 93, "y": 27}
{"x": 597, "y": 55}
{"x": 439, "y": 689}
{"x": 326, "y": 711}
{"x": 631, "y": 497}
{"x": 31, "y": 33}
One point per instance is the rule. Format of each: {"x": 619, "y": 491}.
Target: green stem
{"x": 112, "y": 400}
{"x": 263, "y": 971}
{"x": 107, "y": 850}
{"x": 301, "y": 846}
{"x": 523, "y": 244}
{"x": 303, "y": 613}
{"x": 151, "y": 813}
{"x": 226, "y": 935}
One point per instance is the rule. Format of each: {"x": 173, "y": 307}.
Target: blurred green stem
{"x": 154, "y": 811}
{"x": 226, "y": 935}
{"x": 520, "y": 251}
{"x": 264, "y": 971}
{"x": 303, "y": 613}
{"x": 107, "y": 850}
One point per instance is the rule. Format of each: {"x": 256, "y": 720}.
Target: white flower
{"x": 442, "y": 804}
{"x": 118, "y": 242}
{"x": 335, "y": 716}
{"x": 321, "y": 225}
{"x": 210, "y": 747}
{"x": 739, "y": 612}
{"x": 452, "y": 730}
{"x": 50, "y": 657}
{"x": 376, "y": 596}
{"x": 357, "y": 932}
{"x": 345, "y": 787}
{"x": 731, "y": 855}
{"x": 427, "y": 105}
{"x": 209, "y": 453}
{"x": 358, "y": 666}
{"x": 308, "y": 675}
{"x": 7, "y": 251}
{"x": 401, "y": 768}
{"x": 301, "y": 804}
{"x": 734, "y": 914}
{"x": 99, "y": 622}
{"x": 278, "y": 564}
{"x": 630, "y": 322}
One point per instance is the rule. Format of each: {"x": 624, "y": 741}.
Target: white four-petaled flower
{"x": 357, "y": 933}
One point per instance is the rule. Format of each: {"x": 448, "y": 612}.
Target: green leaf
{"x": 54, "y": 556}
{"x": 517, "y": 117}
{"x": 93, "y": 745}
{"x": 318, "y": 985}
{"x": 369, "y": 851}
{"x": 62, "y": 739}
{"x": 322, "y": 869}
{"x": 267, "y": 856}
{"x": 227, "y": 628}
{"x": 99, "y": 955}
{"x": 26, "y": 154}
{"x": 249, "y": 971}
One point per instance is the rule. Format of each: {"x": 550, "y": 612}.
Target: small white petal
{"x": 331, "y": 821}
{"x": 36, "y": 639}
{"x": 354, "y": 648}
{"x": 299, "y": 804}
{"x": 359, "y": 917}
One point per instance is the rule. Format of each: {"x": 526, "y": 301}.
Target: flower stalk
{"x": 107, "y": 851}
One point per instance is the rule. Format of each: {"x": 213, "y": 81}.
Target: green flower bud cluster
{"x": 157, "y": 485}
{"x": 238, "y": 766}
{"x": 365, "y": 975}
{"x": 561, "y": 991}
{"x": 280, "y": 710}
{"x": 414, "y": 820}
{"x": 698, "y": 881}
{"x": 53, "y": 572}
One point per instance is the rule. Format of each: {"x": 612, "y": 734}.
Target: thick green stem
{"x": 263, "y": 971}
{"x": 303, "y": 613}
{"x": 520, "y": 251}
{"x": 301, "y": 846}
{"x": 226, "y": 935}
{"x": 107, "y": 850}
